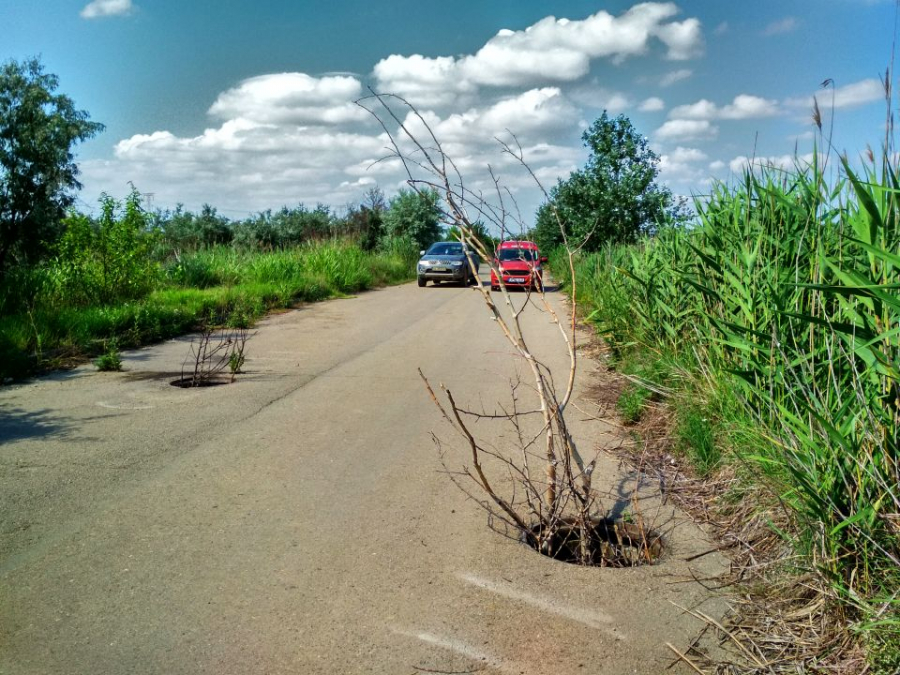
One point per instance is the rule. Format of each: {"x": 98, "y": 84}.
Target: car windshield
{"x": 445, "y": 249}
{"x": 507, "y": 254}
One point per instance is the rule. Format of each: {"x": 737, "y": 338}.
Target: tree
{"x": 365, "y": 221}
{"x": 614, "y": 198}
{"x": 414, "y": 215}
{"x": 38, "y": 130}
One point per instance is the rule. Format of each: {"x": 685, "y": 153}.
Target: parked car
{"x": 446, "y": 261}
{"x": 519, "y": 263}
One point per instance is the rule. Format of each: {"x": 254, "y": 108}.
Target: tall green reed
{"x": 787, "y": 288}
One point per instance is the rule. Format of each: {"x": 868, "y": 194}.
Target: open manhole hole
{"x": 190, "y": 382}
{"x": 599, "y": 542}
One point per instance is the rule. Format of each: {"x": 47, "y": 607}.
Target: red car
{"x": 519, "y": 263}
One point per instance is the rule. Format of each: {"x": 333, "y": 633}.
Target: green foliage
{"x": 415, "y": 216}
{"x": 696, "y": 439}
{"x": 38, "y": 129}
{"x": 884, "y": 650}
{"x": 236, "y": 361}
{"x": 479, "y": 231}
{"x": 614, "y": 198}
{"x": 105, "y": 260}
{"x": 239, "y": 285}
{"x": 632, "y": 402}
{"x": 110, "y": 360}
{"x": 183, "y": 230}
{"x": 786, "y": 295}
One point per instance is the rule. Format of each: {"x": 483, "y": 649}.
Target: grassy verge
{"x": 50, "y": 328}
{"x": 773, "y": 329}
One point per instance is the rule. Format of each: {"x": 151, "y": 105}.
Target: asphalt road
{"x": 298, "y": 520}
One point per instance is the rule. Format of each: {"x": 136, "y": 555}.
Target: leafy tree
{"x": 614, "y": 198}
{"x": 108, "y": 259}
{"x": 38, "y": 130}
{"x": 366, "y": 221}
{"x": 480, "y": 231}
{"x": 415, "y": 216}
{"x": 191, "y": 231}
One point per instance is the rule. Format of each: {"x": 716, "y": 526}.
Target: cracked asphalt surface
{"x": 299, "y": 520}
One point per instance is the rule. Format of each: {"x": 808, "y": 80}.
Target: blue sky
{"x": 248, "y": 105}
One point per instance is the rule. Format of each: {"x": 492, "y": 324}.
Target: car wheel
{"x": 422, "y": 281}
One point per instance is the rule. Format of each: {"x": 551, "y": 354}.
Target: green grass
{"x": 110, "y": 360}
{"x": 631, "y": 403}
{"x": 236, "y": 287}
{"x": 695, "y": 438}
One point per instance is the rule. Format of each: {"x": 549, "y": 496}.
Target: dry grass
{"x": 784, "y": 618}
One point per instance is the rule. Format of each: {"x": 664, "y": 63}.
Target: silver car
{"x": 446, "y": 261}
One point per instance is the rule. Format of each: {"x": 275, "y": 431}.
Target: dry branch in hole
{"x": 547, "y": 493}
{"x": 212, "y": 354}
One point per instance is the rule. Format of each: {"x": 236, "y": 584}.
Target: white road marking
{"x": 123, "y": 406}
{"x": 463, "y": 649}
{"x": 587, "y": 617}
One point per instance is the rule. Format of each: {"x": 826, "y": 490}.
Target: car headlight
{"x": 456, "y": 263}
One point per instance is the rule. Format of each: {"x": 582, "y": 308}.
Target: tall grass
{"x": 42, "y": 323}
{"x": 787, "y": 291}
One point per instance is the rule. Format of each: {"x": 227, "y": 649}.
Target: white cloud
{"x": 721, "y": 29}
{"x": 786, "y": 25}
{"x": 597, "y": 97}
{"x": 686, "y": 130}
{"x": 292, "y": 98}
{"x": 551, "y": 50}
{"x": 717, "y": 165}
{"x": 851, "y": 95}
{"x": 686, "y": 155}
{"x": 289, "y": 137}
{"x": 532, "y": 115}
{"x": 782, "y": 162}
{"x": 652, "y": 104}
{"x": 744, "y": 106}
{"x": 669, "y": 79}
{"x": 680, "y": 167}
{"x": 101, "y": 8}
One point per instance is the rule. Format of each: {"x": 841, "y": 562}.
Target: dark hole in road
{"x": 190, "y": 382}
{"x": 599, "y": 542}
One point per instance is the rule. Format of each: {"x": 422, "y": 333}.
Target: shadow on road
{"x": 17, "y": 424}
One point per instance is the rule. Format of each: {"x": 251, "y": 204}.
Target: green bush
{"x": 110, "y": 360}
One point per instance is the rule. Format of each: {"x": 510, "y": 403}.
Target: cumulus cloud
{"x": 289, "y": 137}
{"x": 851, "y": 95}
{"x": 671, "y": 78}
{"x": 744, "y": 106}
{"x": 652, "y": 104}
{"x": 551, "y": 50}
{"x": 680, "y": 165}
{"x": 292, "y": 98}
{"x": 532, "y": 115}
{"x": 784, "y": 162}
{"x": 786, "y": 25}
{"x": 686, "y": 130}
{"x": 597, "y": 97}
{"x": 102, "y": 8}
